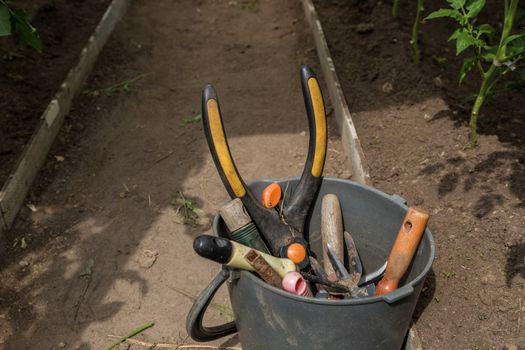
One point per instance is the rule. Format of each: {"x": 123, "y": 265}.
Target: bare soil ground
{"x": 29, "y": 79}
{"x": 102, "y": 252}
{"x": 414, "y": 138}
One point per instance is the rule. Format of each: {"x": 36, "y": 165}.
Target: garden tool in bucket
{"x": 271, "y": 318}
{"x": 283, "y": 232}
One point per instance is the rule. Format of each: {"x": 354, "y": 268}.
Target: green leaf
{"x": 474, "y": 8}
{"x": 5, "y": 21}
{"x": 456, "y": 4}
{"x": 490, "y": 53}
{"x": 468, "y": 64}
{"x": 486, "y": 29}
{"x": 26, "y": 32}
{"x": 464, "y": 40}
{"x": 454, "y": 14}
{"x": 511, "y": 38}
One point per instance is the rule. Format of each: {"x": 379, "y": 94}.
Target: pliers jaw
{"x": 279, "y": 233}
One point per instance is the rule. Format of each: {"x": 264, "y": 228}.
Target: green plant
{"x": 414, "y": 41}
{"x": 14, "y": 22}
{"x": 395, "y": 8}
{"x": 493, "y": 57}
{"x": 249, "y": 5}
{"x": 191, "y": 120}
{"x": 187, "y": 212}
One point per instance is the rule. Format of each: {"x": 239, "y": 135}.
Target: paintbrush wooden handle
{"x": 403, "y": 250}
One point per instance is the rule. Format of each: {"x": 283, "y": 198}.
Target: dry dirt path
{"x": 78, "y": 274}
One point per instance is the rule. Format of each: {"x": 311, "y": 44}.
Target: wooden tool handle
{"x": 234, "y": 215}
{"x": 331, "y": 230}
{"x": 261, "y": 266}
{"x": 403, "y": 250}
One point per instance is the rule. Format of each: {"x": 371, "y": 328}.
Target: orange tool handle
{"x": 403, "y": 250}
{"x": 271, "y": 195}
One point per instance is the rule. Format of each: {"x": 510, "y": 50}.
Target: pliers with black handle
{"x": 279, "y": 231}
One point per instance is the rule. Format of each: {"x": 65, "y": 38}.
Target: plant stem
{"x": 488, "y": 82}
{"x": 395, "y": 8}
{"x": 480, "y": 99}
{"x": 415, "y": 31}
{"x": 510, "y": 13}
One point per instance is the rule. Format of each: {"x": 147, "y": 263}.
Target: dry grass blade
{"x": 131, "y": 334}
{"x": 174, "y": 345}
{"x": 121, "y": 87}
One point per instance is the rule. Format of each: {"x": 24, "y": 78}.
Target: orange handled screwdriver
{"x": 403, "y": 250}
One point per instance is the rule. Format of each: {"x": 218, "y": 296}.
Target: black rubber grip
{"x": 301, "y": 200}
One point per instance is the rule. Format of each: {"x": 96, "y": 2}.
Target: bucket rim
{"x": 403, "y": 292}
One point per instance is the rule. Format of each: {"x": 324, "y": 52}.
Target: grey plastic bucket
{"x": 269, "y": 318}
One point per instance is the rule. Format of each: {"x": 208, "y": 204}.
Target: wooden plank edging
{"x": 351, "y": 144}
{"x": 34, "y": 155}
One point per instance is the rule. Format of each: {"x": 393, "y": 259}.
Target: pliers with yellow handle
{"x": 283, "y": 233}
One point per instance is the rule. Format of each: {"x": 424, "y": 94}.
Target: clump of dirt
{"x": 412, "y": 121}
{"x": 29, "y": 79}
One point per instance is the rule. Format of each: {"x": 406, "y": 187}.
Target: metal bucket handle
{"x": 194, "y": 326}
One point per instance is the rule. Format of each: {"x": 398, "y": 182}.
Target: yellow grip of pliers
{"x": 221, "y": 148}
{"x": 320, "y": 127}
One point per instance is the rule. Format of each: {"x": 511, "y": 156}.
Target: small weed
{"x": 188, "y": 213}
{"x": 440, "y": 60}
{"x": 191, "y": 120}
{"x": 436, "y": 299}
{"x": 122, "y": 87}
{"x": 448, "y": 274}
{"x": 250, "y": 5}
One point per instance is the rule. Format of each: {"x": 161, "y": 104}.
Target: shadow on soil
{"x": 458, "y": 173}
{"x": 426, "y": 296}
{"x": 515, "y": 262}
{"x": 92, "y": 229}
